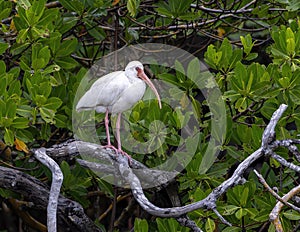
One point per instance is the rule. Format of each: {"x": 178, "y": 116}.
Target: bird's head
{"x": 136, "y": 69}
{"x": 132, "y": 68}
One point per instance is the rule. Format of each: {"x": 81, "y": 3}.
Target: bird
{"x": 115, "y": 93}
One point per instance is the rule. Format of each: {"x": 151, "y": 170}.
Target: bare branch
{"x": 70, "y": 214}
{"x": 265, "y": 184}
{"x": 57, "y": 179}
{"x": 131, "y": 175}
{"x": 274, "y": 215}
{"x": 269, "y": 133}
{"x": 284, "y": 162}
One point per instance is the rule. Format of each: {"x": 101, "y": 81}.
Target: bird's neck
{"x": 133, "y": 79}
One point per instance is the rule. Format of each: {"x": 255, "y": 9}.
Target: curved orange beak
{"x": 143, "y": 76}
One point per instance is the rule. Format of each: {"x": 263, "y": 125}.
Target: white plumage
{"x": 117, "y": 92}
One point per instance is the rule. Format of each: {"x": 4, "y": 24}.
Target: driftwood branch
{"x": 129, "y": 176}
{"x": 102, "y": 160}
{"x": 71, "y": 216}
{"x": 57, "y": 179}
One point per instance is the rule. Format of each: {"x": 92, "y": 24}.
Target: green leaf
{"x": 24, "y": 135}
{"x": 5, "y": 12}
{"x": 132, "y": 7}
{"x": 295, "y": 95}
{"x": 174, "y": 8}
{"x": 247, "y": 43}
{"x": 289, "y": 34}
{"x": 2, "y": 70}
{"x": 35, "y": 12}
{"x": 141, "y": 225}
{"x": 9, "y": 137}
{"x": 25, "y": 4}
{"x": 54, "y": 42}
{"x": 213, "y": 57}
{"x": 40, "y": 56}
{"x": 240, "y": 213}
{"x": 45, "y": 89}
{"x": 67, "y": 47}
{"x": 244, "y": 196}
{"x": 47, "y": 114}
{"x": 68, "y": 24}
{"x": 53, "y": 103}
{"x": 14, "y": 89}
{"x": 17, "y": 49}
{"x": 165, "y": 224}
{"x": 226, "y": 50}
{"x": 232, "y": 229}
{"x": 22, "y": 35}
{"x": 278, "y": 53}
{"x": 49, "y": 16}
{"x": 290, "y": 46}
{"x": 44, "y": 54}
{"x": 61, "y": 120}
{"x": 208, "y": 159}
{"x": 193, "y": 70}
{"x": 164, "y": 9}
{"x": 230, "y": 209}
{"x": 3, "y": 47}
{"x": 66, "y": 62}
{"x": 24, "y": 111}
{"x": 236, "y": 56}
{"x": 237, "y": 81}
{"x": 51, "y": 69}
{"x": 65, "y": 168}
{"x": 284, "y": 82}
{"x": 251, "y": 56}
{"x": 20, "y": 123}
{"x": 40, "y": 100}
{"x": 196, "y": 108}
{"x": 210, "y": 225}
{"x": 293, "y": 5}
{"x": 11, "y": 109}
{"x": 73, "y": 5}
{"x": 180, "y": 72}
{"x": 292, "y": 215}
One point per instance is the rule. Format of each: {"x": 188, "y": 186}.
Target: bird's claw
{"x": 119, "y": 151}
{"x": 111, "y": 147}
{"x": 125, "y": 154}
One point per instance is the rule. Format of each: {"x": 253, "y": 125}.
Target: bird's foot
{"x": 125, "y": 154}
{"x": 118, "y": 151}
{"x": 111, "y": 147}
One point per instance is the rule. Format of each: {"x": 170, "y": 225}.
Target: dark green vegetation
{"x": 46, "y": 47}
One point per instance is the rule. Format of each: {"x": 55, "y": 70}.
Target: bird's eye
{"x": 138, "y": 69}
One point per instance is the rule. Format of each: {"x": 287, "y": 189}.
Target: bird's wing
{"x": 104, "y": 92}
{"x": 104, "y": 79}
{"x": 129, "y": 97}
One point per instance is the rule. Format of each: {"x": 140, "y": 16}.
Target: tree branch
{"x": 71, "y": 215}
{"x": 57, "y": 179}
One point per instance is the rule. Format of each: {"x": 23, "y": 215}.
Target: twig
{"x": 274, "y": 215}
{"x": 269, "y": 133}
{"x": 265, "y": 184}
{"x": 284, "y": 162}
{"x": 57, "y": 179}
{"x": 187, "y": 222}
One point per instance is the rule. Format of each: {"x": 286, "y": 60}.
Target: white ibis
{"x": 115, "y": 93}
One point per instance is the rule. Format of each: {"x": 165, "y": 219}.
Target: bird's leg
{"x": 118, "y": 127}
{"x": 106, "y": 121}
